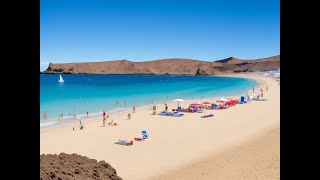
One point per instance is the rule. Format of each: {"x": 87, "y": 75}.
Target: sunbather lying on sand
{"x": 124, "y": 142}
{"x": 112, "y": 123}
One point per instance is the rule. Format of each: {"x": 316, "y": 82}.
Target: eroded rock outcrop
{"x": 74, "y": 166}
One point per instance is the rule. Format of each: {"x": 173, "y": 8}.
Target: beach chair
{"x": 164, "y": 113}
{"x": 144, "y": 134}
{"x": 214, "y": 106}
{"x": 177, "y": 114}
{"x": 242, "y": 100}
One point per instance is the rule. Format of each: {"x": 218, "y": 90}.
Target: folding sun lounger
{"x": 144, "y": 134}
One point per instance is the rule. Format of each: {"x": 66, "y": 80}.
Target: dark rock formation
{"x": 73, "y": 166}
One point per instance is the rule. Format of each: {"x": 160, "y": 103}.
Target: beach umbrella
{"x": 222, "y": 100}
{"x": 178, "y": 100}
{"x": 231, "y": 102}
{"x": 206, "y": 102}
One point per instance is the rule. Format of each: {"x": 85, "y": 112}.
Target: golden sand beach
{"x": 241, "y": 142}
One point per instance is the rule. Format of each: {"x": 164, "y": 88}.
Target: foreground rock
{"x": 73, "y": 166}
{"x": 174, "y": 66}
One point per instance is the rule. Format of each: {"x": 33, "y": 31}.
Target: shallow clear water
{"x": 94, "y": 93}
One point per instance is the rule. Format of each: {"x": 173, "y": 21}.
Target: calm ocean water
{"x": 94, "y": 93}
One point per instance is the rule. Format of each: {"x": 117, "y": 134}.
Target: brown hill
{"x": 174, "y": 66}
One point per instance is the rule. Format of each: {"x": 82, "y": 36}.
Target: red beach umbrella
{"x": 206, "y": 102}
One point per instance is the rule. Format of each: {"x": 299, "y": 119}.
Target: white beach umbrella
{"x": 178, "y": 100}
{"x": 222, "y": 100}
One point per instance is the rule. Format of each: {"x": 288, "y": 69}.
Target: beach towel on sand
{"x": 140, "y": 139}
{"x": 206, "y": 116}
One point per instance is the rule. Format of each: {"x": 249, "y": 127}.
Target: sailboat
{"x": 60, "y": 79}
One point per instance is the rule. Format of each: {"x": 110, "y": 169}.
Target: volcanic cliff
{"x": 174, "y": 66}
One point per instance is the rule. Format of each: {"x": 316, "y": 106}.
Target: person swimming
{"x": 45, "y": 115}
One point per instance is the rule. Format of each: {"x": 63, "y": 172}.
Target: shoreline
{"x": 175, "y": 142}
{"x": 69, "y": 120}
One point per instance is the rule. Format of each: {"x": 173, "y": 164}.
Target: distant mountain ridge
{"x": 172, "y": 66}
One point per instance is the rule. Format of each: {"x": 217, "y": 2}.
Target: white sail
{"x": 61, "y": 80}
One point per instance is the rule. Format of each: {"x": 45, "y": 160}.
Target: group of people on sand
{"x": 261, "y": 90}
{"x": 154, "y": 109}
{"x": 104, "y": 117}
{"x": 111, "y": 123}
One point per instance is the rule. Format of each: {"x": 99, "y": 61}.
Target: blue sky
{"x": 140, "y": 30}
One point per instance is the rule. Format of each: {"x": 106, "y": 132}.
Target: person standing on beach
{"x": 253, "y": 90}
{"x": 129, "y": 115}
{"x": 104, "y": 118}
{"x": 261, "y": 92}
{"x": 267, "y": 88}
{"x": 81, "y": 126}
{"x": 154, "y": 110}
{"x": 74, "y": 116}
{"x": 134, "y": 109}
{"x": 45, "y": 115}
{"x": 87, "y": 114}
{"x": 166, "y": 107}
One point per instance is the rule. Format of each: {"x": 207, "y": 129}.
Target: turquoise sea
{"x": 94, "y": 93}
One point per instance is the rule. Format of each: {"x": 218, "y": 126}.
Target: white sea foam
{"x": 49, "y": 123}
